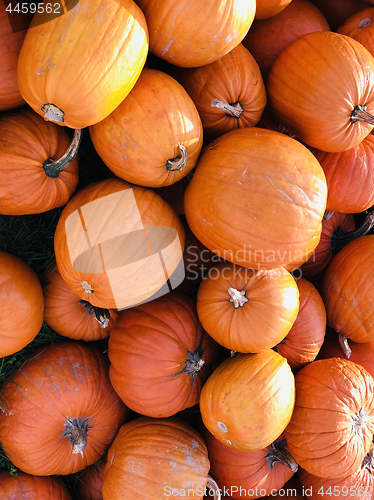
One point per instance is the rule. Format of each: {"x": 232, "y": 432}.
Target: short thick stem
{"x": 53, "y": 113}
{"x": 278, "y": 453}
{"x": 232, "y": 110}
{"x": 343, "y": 342}
{"x": 177, "y": 163}
{"x": 238, "y": 298}
{"x": 76, "y": 429}
{"x": 101, "y": 315}
{"x": 194, "y": 362}
{"x": 53, "y": 167}
{"x": 359, "y": 421}
{"x": 339, "y": 239}
{"x": 359, "y": 114}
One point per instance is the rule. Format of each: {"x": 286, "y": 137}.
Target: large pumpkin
{"x": 160, "y": 356}
{"x": 337, "y": 73}
{"x": 59, "y": 412}
{"x": 245, "y": 310}
{"x": 27, "y": 487}
{"x": 76, "y": 68}
{"x": 252, "y": 183}
{"x": 191, "y": 34}
{"x": 248, "y": 400}
{"x": 116, "y": 245}
{"x": 21, "y": 297}
{"x": 38, "y": 168}
{"x": 332, "y": 425}
{"x": 154, "y": 137}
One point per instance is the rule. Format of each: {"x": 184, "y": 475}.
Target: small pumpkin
{"x": 21, "y": 296}
{"x": 154, "y": 137}
{"x": 69, "y": 315}
{"x": 160, "y": 356}
{"x": 331, "y": 429}
{"x": 246, "y": 310}
{"x": 249, "y": 423}
{"x": 28, "y": 487}
{"x": 59, "y": 412}
{"x": 337, "y": 11}
{"x": 360, "y": 27}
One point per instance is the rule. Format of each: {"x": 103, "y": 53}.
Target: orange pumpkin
{"x": 337, "y": 11}
{"x": 248, "y": 400}
{"x": 188, "y": 34}
{"x": 333, "y": 70}
{"x": 246, "y": 310}
{"x": 69, "y": 315}
{"x": 21, "y": 297}
{"x": 270, "y": 8}
{"x": 38, "y": 167}
{"x": 91, "y": 482}
{"x": 303, "y": 342}
{"x": 359, "y": 26}
{"x": 332, "y": 425}
{"x": 160, "y": 356}
{"x": 229, "y": 93}
{"x": 237, "y": 198}
{"x": 30, "y": 487}
{"x": 117, "y": 244}
{"x": 76, "y": 68}
{"x": 154, "y": 137}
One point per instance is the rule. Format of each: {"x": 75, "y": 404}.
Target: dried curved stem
{"x": 340, "y": 239}
{"x": 359, "y": 114}
{"x": 76, "y": 429}
{"x": 177, "y": 163}
{"x": 343, "y": 342}
{"x": 53, "y": 167}
{"x": 101, "y": 315}
{"x": 213, "y": 486}
{"x": 233, "y": 110}
{"x": 278, "y": 453}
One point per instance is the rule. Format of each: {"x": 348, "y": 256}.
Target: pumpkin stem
{"x": 340, "y": 239}
{"x": 86, "y": 287}
{"x": 177, "y": 163}
{"x": 327, "y": 215}
{"x": 53, "y": 113}
{"x": 343, "y": 342}
{"x": 194, "y": 362}
{"x": 368, "y": 461}
{"x": 359, "y": 114}
{"x": 53, "y": 167}
{"x": 358, "y": 421}
{"x": 76, "y": 429}
{"x": 212, "y": 485}
{"x": 364, "y": 23}
{"x": 238, "y": 298}
{"x": 235, "y": 110}
{"x": 101, "y": 315}
{"x": 278, "y": 453}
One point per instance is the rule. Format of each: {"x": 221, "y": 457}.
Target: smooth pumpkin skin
{"x": 21, "y": 296}
{"x": 82, "y": 62}
{"x": 225, "y": 203}
{"x": 262, "y": 316}
{"x": 140, "y": 137}
{"x": 150, "y": 349}
{"x": 333, "y": 70}
{"x": 30, "y": 487}
{"x": 360, "y": 27}
{"x": 190, "y": 34}
{"x": 154, "y": 211}
{"x": 65, "y": 313}
{"x": 10, "y": 44}
{"x": 91, "y": 482}
{"x": 346, "y": 287}
{"x": 268, "y": 37}
{"x": 350, "y": 177}
{"x": 64, "y": 380}
{"x": 305, "y": 338}
{"x": 234, "y": 79}
{"x": 332, "y": 425}
{"x": 242, "y": 422}
{"x": 27, "y": 141}
{"x": 270, "y": 8}
{"x": 156, "y": 453}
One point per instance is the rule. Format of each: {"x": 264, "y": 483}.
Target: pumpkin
{"x": 305, "y": 338}
{"x": 10, "y": 42}
{"x": 337, "y": 11}
{"x": 249, "y": 474}
{"x": 30, "y": 487}
{"x": 71, "y": 316}
{"x": 332, "y": 425}
{"x": 71, "y": 75}
{"x": 336, "y": 230}
{"x": 350, "y": 177}
{"x": 188, "y": 34}
{"x": 91, "y": 482}
{"x": 154, "y": 137}
{"x": 345, "y": 288}
{"x": 225, "y": 203}
{"x": 268, "y": 37}
{"x": 21, "y": 297}
{"x": 160, "y": 356}
{"x": 174, "y": 193}
{"x": 139, "y": 260}
{"x": 38, "y": 168}
{"x": 242, "y": 422}
{"x": 59, "y": 412}
{"x": 246, "y": 310}
{"x": 166, "y": 456}
{"x": 229, "y": 93}
{"x": 334, "y": 71}
{"x": 270, "y": 8}
{"x": 359, "y": 27}
{"x": 292, "y": 489}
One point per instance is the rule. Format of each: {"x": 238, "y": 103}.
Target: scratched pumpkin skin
{"x": 225, "y": 208}
{"x": 156, "y": 454}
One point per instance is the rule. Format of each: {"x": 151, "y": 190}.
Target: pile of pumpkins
{"x": 244, "y": 368}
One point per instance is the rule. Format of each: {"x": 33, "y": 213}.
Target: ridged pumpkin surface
{"x": 27, "y": 487}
